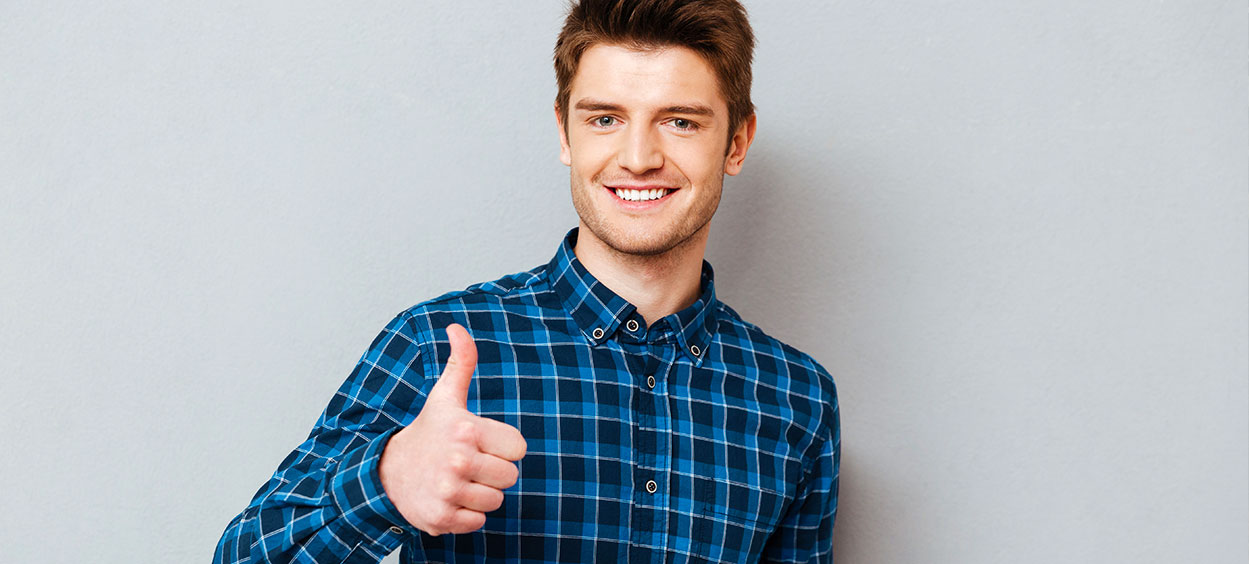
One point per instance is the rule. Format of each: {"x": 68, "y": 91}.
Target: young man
{"x": 602, "y": 407}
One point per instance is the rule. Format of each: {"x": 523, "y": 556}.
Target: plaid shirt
{"x": 696, "y": 439}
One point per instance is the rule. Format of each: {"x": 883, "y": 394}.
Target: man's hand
{"x": 449, "y": 467}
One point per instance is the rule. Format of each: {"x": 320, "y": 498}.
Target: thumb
{"x": 452, "y": 386}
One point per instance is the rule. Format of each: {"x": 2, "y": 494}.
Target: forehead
{"x": 646, "y": 78}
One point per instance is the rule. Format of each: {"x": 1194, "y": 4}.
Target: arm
{"x": 326, "y": 498}
{"x": 806, "y": 532}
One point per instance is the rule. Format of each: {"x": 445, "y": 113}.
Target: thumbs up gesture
{"x": 449, "y": 467}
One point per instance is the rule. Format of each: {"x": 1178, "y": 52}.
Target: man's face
{"x": 646, "y": 141}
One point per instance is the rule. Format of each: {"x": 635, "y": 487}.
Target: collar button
{"x": 598, "y": 332}
{"x": 694, "y": 350}
{"x": 632, "y": 325}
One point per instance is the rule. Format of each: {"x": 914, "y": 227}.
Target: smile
{"x": 641, "y": 195}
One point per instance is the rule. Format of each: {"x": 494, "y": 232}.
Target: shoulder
{"x": 796, "y": 372}
{"x": 512, "y": 287}
{"x": 482, "y": 308}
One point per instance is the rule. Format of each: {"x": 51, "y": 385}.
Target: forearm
{"x": 326, "y": 499}
{"x": 318, "y": 509}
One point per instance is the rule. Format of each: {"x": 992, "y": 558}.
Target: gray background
{"x": 1017, "y": 234}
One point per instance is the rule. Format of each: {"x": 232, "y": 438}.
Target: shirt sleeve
{"x": 325, "y": 502}
{"x": 806, "y": 532}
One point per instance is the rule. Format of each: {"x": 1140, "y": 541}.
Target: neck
{"x": 658, "y": 285}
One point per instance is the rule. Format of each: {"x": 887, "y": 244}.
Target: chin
{"x": 639, "y": 244}
{"x": 641, "y": 249}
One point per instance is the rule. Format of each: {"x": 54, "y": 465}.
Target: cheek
{"x": 700, "y": 164}
{"x": 589, "y": 158}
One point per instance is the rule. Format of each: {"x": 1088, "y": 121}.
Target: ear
{"x": 738, "y": 145}
{"x": 565, "y": 153}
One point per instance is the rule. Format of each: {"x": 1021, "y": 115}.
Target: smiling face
{"x": 645, "y": 139}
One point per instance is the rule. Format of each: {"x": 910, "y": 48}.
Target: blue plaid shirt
{"x": 696, "y": 439}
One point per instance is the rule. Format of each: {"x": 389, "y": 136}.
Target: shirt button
{"x": 396, "y": 529}
{"x": 651, "y": 486}
{"x": 632, "y": 325}
{"x": 598, "y": 333}
{"x": 695, "y": 350}
{"x": 650, "y": 382}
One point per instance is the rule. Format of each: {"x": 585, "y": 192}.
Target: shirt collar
{"x": 599, "y": 312}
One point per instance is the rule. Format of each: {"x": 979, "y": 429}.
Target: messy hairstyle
{"x": 715, "y": 29}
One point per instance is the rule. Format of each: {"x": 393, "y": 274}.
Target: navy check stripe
{"x": 733, "y": 454}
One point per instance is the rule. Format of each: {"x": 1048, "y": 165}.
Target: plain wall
{"x": 1016, "y": 233}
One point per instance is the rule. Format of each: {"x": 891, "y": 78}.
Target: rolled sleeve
{"x": 325, "y": 502}
{"x": 358, "y": 494}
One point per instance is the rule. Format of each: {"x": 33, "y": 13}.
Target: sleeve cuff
{"x": 362, "y": 501}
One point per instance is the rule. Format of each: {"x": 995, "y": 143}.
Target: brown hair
{"x": 715, "y": 29}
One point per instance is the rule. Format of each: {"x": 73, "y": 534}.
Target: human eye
{"x": 603, "y": 121}
{"x": 683, "y": 124}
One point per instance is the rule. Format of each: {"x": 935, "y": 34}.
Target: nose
{"x": 640, "y": 151}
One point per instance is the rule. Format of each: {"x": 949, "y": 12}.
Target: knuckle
{"x": 463, "y": 431}
{"x": 444, "y": 517}
{"x": 458, "y": 463}
{"x": 435, "y": 519}
{"x": 446, "y": 488}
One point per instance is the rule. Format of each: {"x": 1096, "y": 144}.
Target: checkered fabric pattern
{"x": 696, "y": 439}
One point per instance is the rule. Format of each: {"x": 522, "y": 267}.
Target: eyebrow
{"x": 592, "y": 105}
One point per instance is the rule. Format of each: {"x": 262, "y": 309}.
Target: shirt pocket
{"x": 360, "y": 555}
{"x": 735, "y": 520}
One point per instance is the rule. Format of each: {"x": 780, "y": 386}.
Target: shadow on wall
{"x": 785, "y": 240}
{"x": 790, "y": 243}
{"x": 847, "y": 529}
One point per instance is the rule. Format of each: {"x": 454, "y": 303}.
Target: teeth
{"x": 640, "y": 195}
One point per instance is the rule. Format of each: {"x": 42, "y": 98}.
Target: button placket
{"x": 652, "y": 442}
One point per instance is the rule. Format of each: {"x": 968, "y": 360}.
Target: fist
{"x": 449, "y": 467}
